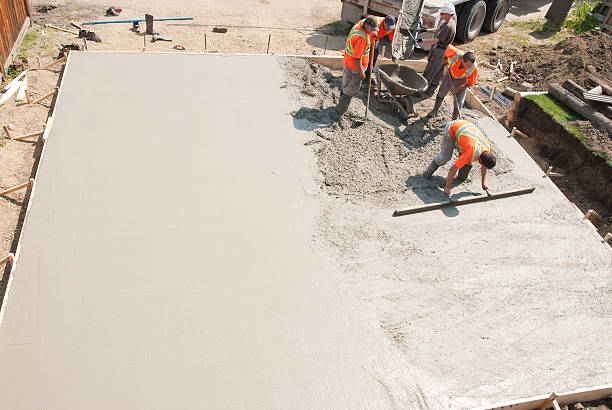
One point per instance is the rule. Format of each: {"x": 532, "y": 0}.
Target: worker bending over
{"x": 386, "y": 28}
{"x": 356, "y": 59}
{"x": 461, "y": 73}
{"x": 444, "y": 35}
{"x": 472, "y": 146}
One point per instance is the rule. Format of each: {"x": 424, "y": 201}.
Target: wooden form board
{"x": 575, "y": 396}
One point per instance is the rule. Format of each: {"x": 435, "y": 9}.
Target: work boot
{"x": 436, "y": 107}
{"x": 431, "y": 89}
{"x": 455, "y": 113}
{"x": 343, "y": 104}
{"x": 149, "y": 23}
{"x": 431, "y": 169}
{"x": 464, "y": 172}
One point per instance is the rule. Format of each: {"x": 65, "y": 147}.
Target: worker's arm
{"x": 360, "y": 68}
{"x": 483, "y": 174}
{"x": 449, "y": 179}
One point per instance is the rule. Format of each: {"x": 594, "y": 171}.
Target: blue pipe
{"x": 132, "y": 21}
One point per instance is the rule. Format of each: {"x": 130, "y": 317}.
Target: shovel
{"x": 365, "y": 117}
{"x": 450, "y": 77}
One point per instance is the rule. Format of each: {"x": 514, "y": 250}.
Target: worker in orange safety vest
{"x": 472, "y": 146}
{"x": 356, "y": 59}
{"x": 386, "y": 30}
{"x": 461, "y": 73}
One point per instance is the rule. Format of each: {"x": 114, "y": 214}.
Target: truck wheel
{"x": 471, "y": 20}
{"x": 496, "y": 14}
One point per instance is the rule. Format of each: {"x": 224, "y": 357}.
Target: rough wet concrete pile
{"x": 381, "y": 160}
{"x": 464, "y": 296}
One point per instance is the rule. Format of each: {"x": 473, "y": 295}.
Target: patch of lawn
{"x": 581, "y": 19}
{"x": 564, "y": 116}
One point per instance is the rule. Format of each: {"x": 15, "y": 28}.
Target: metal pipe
{"x": 139, "y": 20}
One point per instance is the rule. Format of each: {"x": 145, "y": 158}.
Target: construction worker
{"x": 386, "y": 28}
{"x": 356, "y": 59}
{"x": 472, "y": 146}
{"x": 461, "y": 73}
{"x": 444, "y": 35}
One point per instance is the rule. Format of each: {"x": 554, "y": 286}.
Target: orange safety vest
{"x": 466, "y": 135}
{"x": 358, "y": 31}
{"x": 455, "y": 62}
{"x": 381, "y": 31}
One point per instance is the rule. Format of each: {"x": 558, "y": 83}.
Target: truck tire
{"x": 471, "y": 20}
{"x": 496, "y": 14}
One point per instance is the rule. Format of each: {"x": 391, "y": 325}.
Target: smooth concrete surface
{"x": 166, "y": 260}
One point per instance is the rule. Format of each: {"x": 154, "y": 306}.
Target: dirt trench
{"x": 586, "y": 178}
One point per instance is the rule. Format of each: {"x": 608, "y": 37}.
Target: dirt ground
{"x": 568, "y": 59}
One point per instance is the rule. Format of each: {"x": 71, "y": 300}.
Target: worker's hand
{"x": 362, "y": 75}
{"x": 485, "y": 187}
{"x": 394, "y": 60}
{"x": 422, "y": 30}
{"x": 447, "y": 191}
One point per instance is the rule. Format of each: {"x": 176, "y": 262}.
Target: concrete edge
{"x": 45, "y": 135}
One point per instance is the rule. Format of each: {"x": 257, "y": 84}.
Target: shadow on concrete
{"x": 432, "y": 190}
{"x": 310, "y": 119}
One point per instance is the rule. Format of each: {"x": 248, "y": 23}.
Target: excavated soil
{"x": 568, "y": 59}
{"x": 379, "y": 161}
{"x": 586, "y": 178}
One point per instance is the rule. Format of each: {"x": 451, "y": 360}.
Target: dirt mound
{"x": 567, "y": 59}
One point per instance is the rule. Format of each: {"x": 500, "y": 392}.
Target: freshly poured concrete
{"x": 166, "y": 260}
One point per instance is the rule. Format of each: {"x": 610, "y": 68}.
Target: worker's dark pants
{"x": 449, "y": 83}
{"x": 558, "y": 11}
{"x": 434, "y": 68}
{"x": 367, "y": 71}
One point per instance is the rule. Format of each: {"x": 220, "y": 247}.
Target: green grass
{"x": 29, "y": 40}
{"x": 581, "y": 19}
{"x": 564, "y": 116}
{"x": 533, "y": 25}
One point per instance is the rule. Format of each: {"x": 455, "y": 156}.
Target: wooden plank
{"x": 464, "y": 201}
{"x": 17, "y": 187}
{"x": 598, "y": 97}
{"x": 575, "y": 396}
{"x": 49, "y": 94}
{"x": 34, "y": 134}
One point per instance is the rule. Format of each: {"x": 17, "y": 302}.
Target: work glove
{"x": 394, "y": 60}
{"x": 419, "y": 40}
{"x": 422, "y": 30}
{"x": 404, "y": 31}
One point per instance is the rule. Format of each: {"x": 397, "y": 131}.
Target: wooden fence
{"x": 14, "y": 21}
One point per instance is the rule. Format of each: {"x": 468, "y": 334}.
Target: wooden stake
{"x": 547, "y": 402}
{"x": 17, "y": 187}
{"x": 38, "y": 62}
{"x": 502, "y": 79}
{"x": 590, "y": 213}
{"x": 607, "y": 237}
{"x": 49, "y": 94}
{"x": 325, "y": 50}
{"x": 6, "y": 130}
{"x": 84, "y": 44}
{"x": 54, "y": 63}
{"x": 10, "y": 258}
{"x": 269, "y": 37}
{"x": 204, "y": 41}
{"x": 28, "y": 98}
{"x": 517, "y": 132}
{"x": 34, "y": 134}
{"x": 492, "y": 93}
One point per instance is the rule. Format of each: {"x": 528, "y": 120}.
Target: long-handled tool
{"x": 370, "y": 64}
{"x": 450, "y": 78}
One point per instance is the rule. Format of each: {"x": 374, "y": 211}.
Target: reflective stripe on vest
{"x": 454, "y": 62}
{"x": 357, "y": 31}
{"x": 470, "y": 130}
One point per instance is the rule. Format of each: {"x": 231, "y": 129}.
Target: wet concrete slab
{"x": 166, "y": 261}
